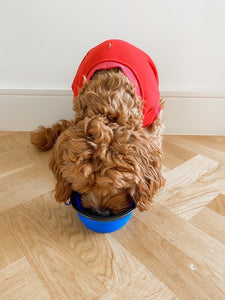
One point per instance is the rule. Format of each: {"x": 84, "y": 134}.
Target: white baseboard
{"x": 27, "y": 109}
{"x": 192, "y": 112}
{"x": 195, "y": 112}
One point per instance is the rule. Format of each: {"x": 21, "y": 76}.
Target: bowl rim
{"x": 76, "y": 196}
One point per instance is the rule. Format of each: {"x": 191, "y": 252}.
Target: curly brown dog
{"x": 105, "y": 154}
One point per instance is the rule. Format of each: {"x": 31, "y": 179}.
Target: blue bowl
{"x": 98, "y": 223}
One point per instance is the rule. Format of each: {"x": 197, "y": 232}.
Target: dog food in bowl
{"x": 99, "y": 223}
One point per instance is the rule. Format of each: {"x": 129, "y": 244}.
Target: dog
{"x": 111, "y": 152}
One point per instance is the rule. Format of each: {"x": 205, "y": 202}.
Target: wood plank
{"x": 169, "y": 264}
{"x": 19, "y": 281}
{"x": 174, "y": 251}
{"x": 13, "y": 140}
{"x": 192, "y": 198}
{"x": 119, "y": 267}
{"x": 165, "y": 169}
{"x": 187, "y": 187}
{"x": 203, "y": 249}
{"x": 173, "y": 154}
{"x": 21, "y": 141}
{"x": 212, "y": 142}
{"x": 13, "y": 161}
{"x": 37, "y": 157}
{"x": 136, "y": 282}
{"x": 53, "y": 260}
{"x": 193, "y": 143}
{"x": 218, "y": 204}
{"x": 90, "y": 247}
{"x": 211, "y": 223}
{"x": 138, "y": 290}
{"x": 10, "y": 250}
{"x": 6, "y": 133}
{"x": 21, "y": 186}
{"x": 192, "y": 170}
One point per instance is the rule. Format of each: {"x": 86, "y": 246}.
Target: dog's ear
{"x": 148, "y": 156}
{"x": 70, "y": 163}
{"x": 63, "y": 188}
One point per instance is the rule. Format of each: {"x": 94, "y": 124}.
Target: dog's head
{"x": 106, "y": 155}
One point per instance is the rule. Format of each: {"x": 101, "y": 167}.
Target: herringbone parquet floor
{"x": 174, "y": 251}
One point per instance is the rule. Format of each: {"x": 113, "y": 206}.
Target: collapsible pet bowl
{"x": 99, "y": 223}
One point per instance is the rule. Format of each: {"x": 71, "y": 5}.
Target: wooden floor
{"x": 174, "y": 251}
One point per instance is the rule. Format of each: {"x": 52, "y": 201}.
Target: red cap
{"x": 134, "y": 63}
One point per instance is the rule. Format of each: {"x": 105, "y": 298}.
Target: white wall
{"x": 42, "y": 42}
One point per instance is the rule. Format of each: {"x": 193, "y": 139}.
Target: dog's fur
{"x": 104, "y": 153}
